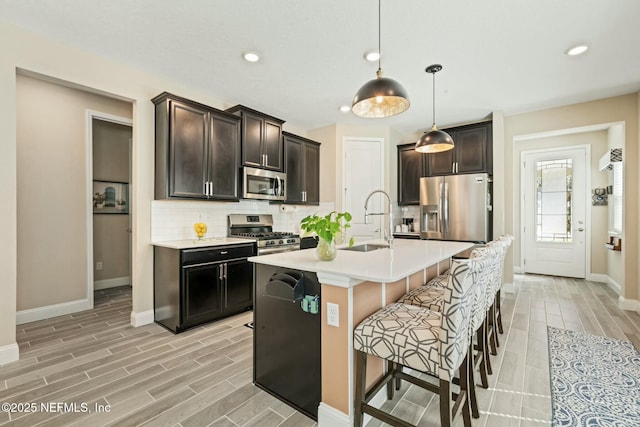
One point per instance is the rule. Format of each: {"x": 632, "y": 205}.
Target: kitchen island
{"x": 358, "y": 283}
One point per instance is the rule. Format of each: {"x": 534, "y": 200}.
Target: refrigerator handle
{"x": 439, "y": 222}
{"x": 445, "y": 208}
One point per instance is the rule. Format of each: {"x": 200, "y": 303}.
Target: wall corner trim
{"x": 48, "y": 311}
{"x": 328, "y": 416}
{"x": 9, "y": 353}
{"x": 142, "y": 318}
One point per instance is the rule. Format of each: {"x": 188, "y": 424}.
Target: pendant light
{"x": 382, "y": 96}
{"x": 435, "y": 140}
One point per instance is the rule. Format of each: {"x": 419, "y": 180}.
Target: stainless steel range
{"x": 260, "y": 228}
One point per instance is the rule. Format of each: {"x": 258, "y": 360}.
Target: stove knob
{"x": 281, "y": 242}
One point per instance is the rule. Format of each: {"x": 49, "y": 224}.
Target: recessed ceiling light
{"x": 345, "y": 108}
{"x": 251, "y": 56}
{"x": 577, "y": 50}
{"x": 371, "y": 55}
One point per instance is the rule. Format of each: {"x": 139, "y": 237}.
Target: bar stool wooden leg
{"x": 499, "y": 312}
{"x": 483, "y": 356}
{"x": 360, "y": 379}
{"x": 445, "y": 403}
{"x": 472, "y": 389}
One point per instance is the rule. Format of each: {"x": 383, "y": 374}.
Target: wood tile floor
{"x": 201, "y": 377}
{"x": 147, "y": 375}
{"x": 519, "y": 391}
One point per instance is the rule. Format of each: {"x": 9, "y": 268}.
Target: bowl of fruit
{"x": 201, "y": 229}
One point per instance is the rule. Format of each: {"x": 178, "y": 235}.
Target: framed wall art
{"x": 110, "y": 197}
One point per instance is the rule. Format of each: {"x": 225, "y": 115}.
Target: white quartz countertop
{"x": 381, "y": 265}
{"x": 195, "y": 243}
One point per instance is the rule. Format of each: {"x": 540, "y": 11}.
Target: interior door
{"x": 363, "y": 173}
{"x": 554, "y": 211}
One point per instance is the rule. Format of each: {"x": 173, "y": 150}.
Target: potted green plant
{"x": 327, "y": 228}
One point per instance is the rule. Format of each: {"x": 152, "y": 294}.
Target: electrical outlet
{"x": 99, "y": 265}
{"x": 333, "y": 314}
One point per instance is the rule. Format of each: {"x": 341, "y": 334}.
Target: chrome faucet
{"x": 389, "y": 231}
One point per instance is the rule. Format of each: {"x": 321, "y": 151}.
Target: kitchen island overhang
{"x": 360, "y": 283}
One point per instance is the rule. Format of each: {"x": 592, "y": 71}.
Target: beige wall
{"x": 332, "y": 161}
{"x": 26, "y": 51}
{"x": 598, "y": 141}
{"x": 110, "y": 236}
{"x": 52, "y": 181}
{"x": 594, "y": 113}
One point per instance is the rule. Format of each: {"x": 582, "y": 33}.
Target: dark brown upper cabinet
{"x": 197, "y": 150}
{"x": 261, "y": 139}
{"x": 472, "y": 152}
{"x": 302, "y": 165}
{"x": 412, "y": 166}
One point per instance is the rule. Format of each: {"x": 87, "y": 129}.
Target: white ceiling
{"x": 503, "y": 55}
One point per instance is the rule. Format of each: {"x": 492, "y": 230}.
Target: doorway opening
{"x": 109, "y": 215}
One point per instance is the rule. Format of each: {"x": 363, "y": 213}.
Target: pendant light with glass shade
{"x": 382, "y": 96}
{"x": 434, "y": 141}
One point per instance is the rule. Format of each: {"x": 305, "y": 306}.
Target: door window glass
{"x": 553, "y": 200}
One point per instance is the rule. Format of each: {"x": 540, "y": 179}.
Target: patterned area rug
{"x": 595, "y": 381}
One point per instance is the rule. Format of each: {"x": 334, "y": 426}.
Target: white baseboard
{"x": 9, "y": 353}
{"x": 517, "y": 269}
{"x": 629, "y": 304}
{"x": 111, "y": 283}
{"x": 331, "y": 417}
{"x": 46, "y": 312}
{"x": 509, "y": 288}
{"x": 142, "y": 318}
{"x": 600, "y": 278}
{"x": 617, "y": 288}
{"x": 328, "y": 416}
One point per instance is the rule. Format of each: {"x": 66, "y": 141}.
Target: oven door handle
{"x": 288, "y": 248}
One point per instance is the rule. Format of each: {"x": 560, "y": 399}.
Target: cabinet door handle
{"x": 210, "y": 188}
{"x": 225, "y": 271}
{"x": 266, "y": 159}
{"x": 453, "y": 167}
{"x": 224, "y": 252}
{"x": 206, "y": 188}
{"x": 220, "y": 272}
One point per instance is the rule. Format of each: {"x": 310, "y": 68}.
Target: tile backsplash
{"x": 174, "y": 219}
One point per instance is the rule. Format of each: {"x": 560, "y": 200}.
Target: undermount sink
{"x": 366, "y": 247}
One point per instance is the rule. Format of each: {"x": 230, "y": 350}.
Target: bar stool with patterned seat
{"x": 432, "y": 342}
{"x": 431, "y": 297}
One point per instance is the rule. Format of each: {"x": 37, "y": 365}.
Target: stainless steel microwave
{"x": 263, "y": 184}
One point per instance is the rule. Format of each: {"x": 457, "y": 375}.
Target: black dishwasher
{"x": 286, "y": 337}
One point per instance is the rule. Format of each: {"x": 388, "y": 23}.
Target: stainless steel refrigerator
{"x": 456, "y": 207}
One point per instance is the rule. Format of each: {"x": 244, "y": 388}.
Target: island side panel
{"x": 443, "y": 266}
{"x": 367, "y": 299}
{"x": 335, "y": 350}
{"x": 394, "y": 290}
{"x": 420, "y": 278}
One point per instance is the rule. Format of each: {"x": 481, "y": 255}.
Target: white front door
{"x": 363, "y": 173}
{"x": 554, "y": 212}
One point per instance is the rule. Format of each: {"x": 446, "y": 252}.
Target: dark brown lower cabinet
{"x": 195, "y": 286}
